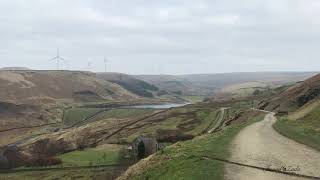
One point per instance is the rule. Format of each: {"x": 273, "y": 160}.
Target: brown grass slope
{"x": 131, "y": 84}
{"x": 208, "y": 84}
{"x": 168, "y": 125}
{"x": 35, "y": 87}
{"x": 32, "y": 97}
{"x": 294, "y": 97}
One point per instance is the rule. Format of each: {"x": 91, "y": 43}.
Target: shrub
{"x": 45, "y": 161}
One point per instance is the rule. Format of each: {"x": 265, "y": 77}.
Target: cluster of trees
{"x": 43, "y": 153}
{"x": 140, "y": 88}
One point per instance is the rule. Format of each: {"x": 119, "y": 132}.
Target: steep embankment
{"x": 302, "y": 125}
{"x": 295, "y": 97}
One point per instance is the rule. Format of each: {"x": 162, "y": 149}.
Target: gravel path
{"x": 260, "y": 145}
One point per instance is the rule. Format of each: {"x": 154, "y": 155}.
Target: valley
{"x": 88, "y": 125}
{"x": 159, "y": 90}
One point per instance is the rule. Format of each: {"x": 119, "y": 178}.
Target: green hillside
{"x": 184, "y": 160}
{"x": 305, "y": 130}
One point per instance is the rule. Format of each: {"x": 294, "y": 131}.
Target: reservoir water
{"x": 159, "y": 106}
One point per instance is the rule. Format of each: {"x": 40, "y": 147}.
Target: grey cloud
{"x": 174, "y": 37}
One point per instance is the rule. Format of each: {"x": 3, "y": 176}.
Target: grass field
{"x": 102, "y": 155}
{"x": 126, "y": 113}
{"x": 193, "y": 99}
{"x": 208, "y": 119}
{"x": 75, "y": 115}
{"x": 107, "y": 155}
{"x": 184, "y": 159}
{"x": 107, "y": 173}
{"x": 305, "y": 130}
{"x": 192, "y": 122}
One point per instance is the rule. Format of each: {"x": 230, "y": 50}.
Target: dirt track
{"x": 219, "y": 122}
{"x": 260, "y": 145}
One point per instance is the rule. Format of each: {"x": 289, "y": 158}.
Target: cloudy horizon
{"x": 162, "y": 37}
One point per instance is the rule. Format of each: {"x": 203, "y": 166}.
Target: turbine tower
{"x": 58, "y": 59}
{"x": 105, "y": 64}
{"x": 89, "y": 65}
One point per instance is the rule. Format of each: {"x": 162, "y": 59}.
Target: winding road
{"x": 260, "y": 145}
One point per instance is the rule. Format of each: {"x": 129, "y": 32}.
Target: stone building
{"x": 4, "y": 164}
{"x": 144, "y": 147}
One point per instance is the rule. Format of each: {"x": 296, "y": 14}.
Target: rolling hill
{"x": 38, "y": 87}
{"x": 30, "y": 97}
{"x": 209, "y": 84}
{"x": 131, "y": 84}
{"x": 295, "y": 97}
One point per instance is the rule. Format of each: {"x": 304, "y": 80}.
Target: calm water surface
{"x": 162, "y": 106}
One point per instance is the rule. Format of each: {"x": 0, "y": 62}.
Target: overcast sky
{"x": 162, "y": 36}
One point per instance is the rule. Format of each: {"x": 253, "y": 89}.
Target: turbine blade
{"x": 62, "y": 59}
{"x": 53, "y": 58}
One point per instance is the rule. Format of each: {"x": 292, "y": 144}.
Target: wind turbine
{"x": 89, "y": 65}
{"x": 58, "y": 58}
{"x": 105, "y": 64}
